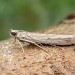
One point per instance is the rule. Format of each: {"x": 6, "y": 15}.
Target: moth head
{"x": 13, "y": 32}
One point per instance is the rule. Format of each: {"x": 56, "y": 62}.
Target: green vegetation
{"x": 31, "y": 15}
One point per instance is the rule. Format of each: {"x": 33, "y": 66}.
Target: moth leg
{"x": 12, "y": 42}
{"x": 15, "y": 39}
{"x": 40, "y": 47}
{"x": 20, "y": 44}
{"x": 36, "y": 45}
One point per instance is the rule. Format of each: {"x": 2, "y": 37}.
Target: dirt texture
{"x": 60, "y": 60}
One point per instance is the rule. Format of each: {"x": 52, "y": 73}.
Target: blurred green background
{"x": 31, "y": 15}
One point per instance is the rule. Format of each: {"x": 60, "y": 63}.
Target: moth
{"x": 37, "y": 38}
{"x": 23, "y": 37}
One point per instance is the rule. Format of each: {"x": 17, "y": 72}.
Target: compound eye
{"x": 13, "y": 33}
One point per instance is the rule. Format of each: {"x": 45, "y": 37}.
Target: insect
{"x": 37, "y": 38}
{"x": 21, "y": 38}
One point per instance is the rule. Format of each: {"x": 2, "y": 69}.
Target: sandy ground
{"x": 34, "y": 61}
